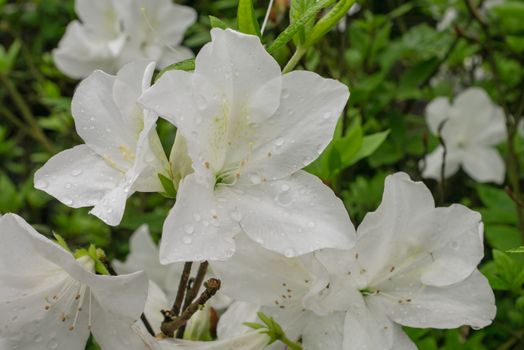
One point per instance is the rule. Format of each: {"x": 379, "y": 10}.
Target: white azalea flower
{"x": 154, "y": 30}
{"x": 122, "y": 153}
{"x": 253, "y": 340}
{"x": 470, "y": 128}
{"x": 413, "y": 265}
{"x": 249, "y": 131}
{"x": 112, "y": 33}
{"x": 49, "y": 299}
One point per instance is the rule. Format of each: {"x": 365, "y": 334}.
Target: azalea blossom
{"x": 112, "y": 33}
{"x": 470, "y": 127}
{"x": 413, "y": 265}
{"x": 49, "y": 299}
{"x": 249, "y": 130}
{"x": 122, "y": 153}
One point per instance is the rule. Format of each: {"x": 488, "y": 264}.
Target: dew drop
{"x": 285, "y": 187}
{"x": 279, "y": 142}
{"x": 326, "y": 115}
{"x": 311, "y": 224}
{"x": 68, "y": 201}
{"x": 289, "y": 253}
{"x": 230, "y": 252}
{"x": 255, "y": 179}
{"x": 68, "y": 186}
{"x": 76, "y": 172}
{"x": 187, "y": 240}
{"x": 189, "y": 229}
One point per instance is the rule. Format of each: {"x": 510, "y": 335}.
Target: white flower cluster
{"x": 111, "y": 33}
{"x": 278, "y": 238}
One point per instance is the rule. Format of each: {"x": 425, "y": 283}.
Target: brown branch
{"x": 172, "y": 323}
{"x": 181, "y": 289}
{"x": 193, "y": 292}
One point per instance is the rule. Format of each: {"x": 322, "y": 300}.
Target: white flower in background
{"x": 253, "y": 340}
{"x": 249, "y": 131}
{"x": 49, "y": 299}
{"x": 122, "y": 153}
{"x": 450, "y": 15}
{"x": 413, "y": 265}
{"x": 154, "y": 30}
{"x": 112, "y": 33}
{"x": 92, "y": 43}
{"x": 470, "y": 127}
{"x": 144, "y": 256}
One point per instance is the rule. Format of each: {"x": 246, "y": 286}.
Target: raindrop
{"x": 285, "y": 187}
{"x": 76, "y": 172}
{"x": 279, "y": 142}
{"x": 53, "y": 344}
{"x": 230, "y": 252}
{"x": 255, "y": 179}
{"x": 285, "y": 93}
{"x": 187, "y": 240}
{"x": 197, "y": 217}
{"x": 38, "y": 338}
{"x": 68, "y": 186}
{"x": 289, "y": 253}
{"x": 326, "y": 115}
{"x": 311, "y": 224}
{"x": 189, "y": 229}
{"x": 68, "y": 201}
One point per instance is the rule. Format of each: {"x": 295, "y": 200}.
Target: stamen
{"x": 266, "y": 18}
{"x": 153, "y": 30}
{"x": 90, "y": 300}
{"x": 80, "y": 296}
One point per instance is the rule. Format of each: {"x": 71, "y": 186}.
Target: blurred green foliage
{"x": 394, "y": 61}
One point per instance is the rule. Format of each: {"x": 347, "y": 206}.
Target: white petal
{"x": 254, "y": 340}
{"x": 292, "y": 216}
{"x": 144, "y": 256}
{"x": 262, "y": 277}
{"x": 432, "y": 165}
{"x": 366, "y": 328}
{"x": 174, "y": 55}
{"x": 470, "y": 302}
{"x": 484, "y": 165}
{"x": 453, "y": 237}
{"x": 156, "y": 301}
{"x": 323, "y": 333}
{"x": 231, "y": 323}
{"x": 77, "y": 177}
{"x": 385, "y": 229}
{"x": 98, "y": 16}
{"x": 100, "y": 123}
{"x": 79, "y": 53}
{"x": 198, "y": 227}
{"x": 111, "y": 207}
{"x": 130, "y": 82}
{"x": 231, "y": 63}
{"x": 436, "y": 113}
{"x": 300, "y": 129}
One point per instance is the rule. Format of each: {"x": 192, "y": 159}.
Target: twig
{"x": 193, "y": 292}
{"x": 26, "y": 113}
{"x": 172, "y": 323}
{"x": 181, "y": 289}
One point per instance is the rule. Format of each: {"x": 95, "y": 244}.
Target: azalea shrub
{"x": 248, "y": 175}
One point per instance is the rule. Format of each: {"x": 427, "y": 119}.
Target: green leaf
{"x": 253, "y": 325}
{"x": 297, "y": 10}
{"x": 186, "y": 65}
{"x": 61, "y": 241}
{"x": 293, "y": 29}
{"x": 217, "y": 23}
{"x": 516, "y": 250}
{"x": 414, "y": 77}
{"x": 169, "y": 187}
{"x": 327, "y": 22}
{"x": 503, "y": 237}
{"x": 246, "y": 18}
{"x": 7, "y": 60}
{"x": 370, "y": 144}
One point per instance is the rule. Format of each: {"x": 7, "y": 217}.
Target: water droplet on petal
{"x": 187, "y": 240}
{"x": 68, "y": 201}
{"x": 68, "y": 186}
{"x": 255, "y": 179}
{"x": 285, "y": 187}
{"x": 76, "y": 172}
{"x": 326, "y": 115}
{"x": 289, "y": 253}
{"x": 197, "y": 217}
{"x": 311, "y": 224}
{"x": 189, "y": 229}
{"x": 279, "y": 142}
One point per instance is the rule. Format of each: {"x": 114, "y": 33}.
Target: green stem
{"x": 26, "y": 113}
{"x": 291, "y": 344}
{"x": 297, "y": 56}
